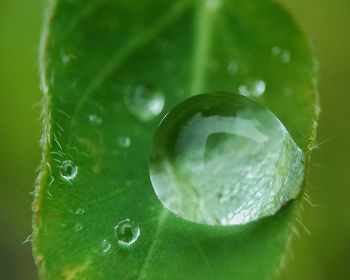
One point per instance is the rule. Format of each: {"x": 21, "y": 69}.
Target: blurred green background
{"x": 325, "y": 254}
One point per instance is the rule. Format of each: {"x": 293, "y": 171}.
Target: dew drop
{"x": 78, "y": 227}
{"x": 285, "y": 56}
{"x": 95, "y": 120}
{"x": 67, "y": 58}
{"x": 145, "y": 101}
{"x": 127, "y": 233}
{"x": 124, "y": 142}
{"x": 213, "y": 4}
{"x": 259, "y": 88}
{"x": 80, "y": 211}
{"x": 105, "y": 245}
{"x": 276, "y": 50}
{"x": 69, "y": 170}
{"x": 224, "y": 159}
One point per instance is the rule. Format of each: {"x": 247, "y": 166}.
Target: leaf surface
{"x": 93, "y": 53}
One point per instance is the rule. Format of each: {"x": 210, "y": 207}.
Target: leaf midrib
{"x": 200, "y": 52}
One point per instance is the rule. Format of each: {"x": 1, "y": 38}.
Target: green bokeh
{"x": 323, "y": 255}
{"x": 20, "y": 22}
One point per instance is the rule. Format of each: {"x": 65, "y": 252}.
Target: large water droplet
{"x": 224, "y": 159}
{"x": 127, "y": 232}
{"x": 69, "y": 170}
{"x": 145, "y": 101}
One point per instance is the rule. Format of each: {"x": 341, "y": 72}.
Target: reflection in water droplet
{"x": 243, "y": 90}
{"x": 95, "y": 120}
{"x": 252, "y": 88}
{"x": 224, "y": 159}
{"x": 259, "y": 87}
{"x": 78, "y": 227}
{"x": 232, "y": 67}
{"x": 68, "y": 170}
{"x": 127, "y": 232}
{"x": 145, "y": 101}
{"x": 80, "y": 211}
{"x": 282, "y": 54}
{"x": 105, "y": 245}
{"x": 124, "y": 142}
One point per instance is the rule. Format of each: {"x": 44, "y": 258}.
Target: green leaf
{"x": 93, "y": 52}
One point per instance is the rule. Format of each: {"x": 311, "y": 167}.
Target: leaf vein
{"x": 133, "y": 45}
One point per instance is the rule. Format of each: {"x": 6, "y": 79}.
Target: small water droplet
{"x": 285, "y": 56}
{"x": 127, "y": 232}
{"x": 78, "y": 227}
{"x": 105, "y": 245}
{"x": 124, "y": 142}
{"x": 95, "y": 120}
{"x": 69, "y": 170}
{"x": 145, "y": 101}
{"x": 80, "y": 211}
{"x": 232, "y": 67}
{"x": 213, "y": 4}
{"x": 276, "y": 50}
{"x": 67, "y": 57}
{"x": 253, "y": 88}
{"x": 224, "y": 159}
{"x": 259, "y": 88}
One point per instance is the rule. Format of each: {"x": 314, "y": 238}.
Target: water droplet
{"x": 276, "y": 50}
{"x": 259, "y": 87}
{"x": 69, "y": 170}
{"x": 105, "y": 245}
{"x": 127, "y": 232}
{"x": 124, "y": 142}
{"x": 67, "y": 58}
{"x": 78, "y": 227}
{"x": 145, "y": 101}
{"x": 80, "y": 211}
{"x": 95, "y": 120}
{"x": 285, "y": 56}
{"x": 253, "y": 88}
{"x": 224, "y": 159}
{"x": 232, "y": 67}
{"x": 213, "y": 4}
